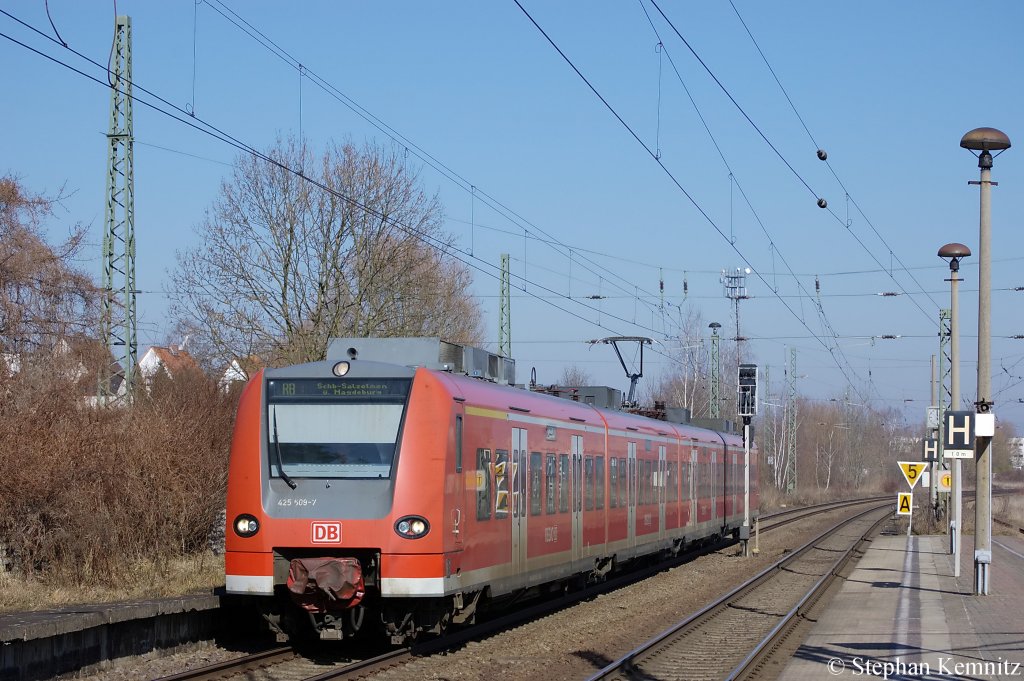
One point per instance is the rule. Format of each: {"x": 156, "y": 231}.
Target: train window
{"x": 623, "y": 483}
{"x": 535, "y": 482}
{"x": 599, "y": 471}
{"x": 631, "y": 490}
{"x": 552, "y": 483}
{"x": 458, "y": 444}
{"x": 670, "y": 482}
{"x": 501, "y": 483}
{"x": 641, "y": 492}
{"x": 483, "y": 484}
{"x": 338, "y": 439}
{"x": 646, "y": 495}
{"x": 588, "y": 472}
{"x": 684, "y": 477}
{"x": 613, "y": 482}
{"x": 563, "y": 483}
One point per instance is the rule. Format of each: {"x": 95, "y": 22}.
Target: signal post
{"x": 746, "y": 387}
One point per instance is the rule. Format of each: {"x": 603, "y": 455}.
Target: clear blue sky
{"x": 886, "y": 88}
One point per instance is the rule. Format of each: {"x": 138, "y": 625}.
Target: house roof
{"x": 172, "y": 358}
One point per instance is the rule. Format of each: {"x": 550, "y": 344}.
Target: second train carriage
{"x": 374, "y": 493}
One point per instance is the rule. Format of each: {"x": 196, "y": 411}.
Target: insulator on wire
{"x": 822, "y": 154}
{"x": 822, "y": 203}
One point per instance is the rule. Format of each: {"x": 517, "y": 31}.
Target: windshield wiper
{"x": 280, "y": 462}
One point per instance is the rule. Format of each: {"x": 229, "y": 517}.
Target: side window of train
{"x": 501, "y": 481}
{"x": 588, "y": 473}
{"x": 613, "y": 482}
{"x": 599, "y": 471}
{"x": 649, "y": 481}
{"x": 483, "y": 484}
{"x": 458, "y": 444}
{"x": 630, "y": 485}
{"x": 670, "y": 481}
{"x": 552, "y": 483}
{"x": 536, "y": 486}
{"x": 623, "y": 483}
{"x": 563, "y": 483}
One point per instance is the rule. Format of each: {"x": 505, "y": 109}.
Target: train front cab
{"x": 336, "y": 497}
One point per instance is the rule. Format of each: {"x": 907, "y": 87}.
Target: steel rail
{"x": 238, "y": 665}
{"x": 789, "y": 619}
{"x": 626, "y": 662}
{"x": 456, "y": 638}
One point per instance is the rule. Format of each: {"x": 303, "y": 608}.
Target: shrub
{"x": 91, "y": 493}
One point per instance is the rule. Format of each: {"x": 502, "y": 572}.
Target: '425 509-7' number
{"x": 297, "y": 502}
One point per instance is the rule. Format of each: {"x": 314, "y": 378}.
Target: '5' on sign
{"x": 912, "y": 471}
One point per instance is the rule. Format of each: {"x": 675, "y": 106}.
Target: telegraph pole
{"x": 117, "y": 319}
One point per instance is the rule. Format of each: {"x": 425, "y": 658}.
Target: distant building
{"x": 1017, "y": 453}
{"x": 240, "y": 371}
{"x": 171, "y": 360}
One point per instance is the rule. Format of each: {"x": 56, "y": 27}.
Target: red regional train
{"x": 403, "y": 498}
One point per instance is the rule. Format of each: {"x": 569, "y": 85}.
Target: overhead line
{"x": 453, "y": 176}
{"x": 831, "y": 211}
{"x": 672, "y": 177}
{"x": 213, "y": 131}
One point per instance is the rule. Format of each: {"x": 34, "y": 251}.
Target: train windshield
{"x": 334, "y": 428}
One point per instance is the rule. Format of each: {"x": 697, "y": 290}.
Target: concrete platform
{"x": 42, "y": 644}
{"x": 902, "y": 615}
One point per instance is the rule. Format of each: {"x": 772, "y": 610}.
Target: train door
{"x": 631, "y": 491}
{"x": 577, "y": 496}
{"x": 662, "y": 490}
{"x": 520, "y": 475}
{"x": 460, "y": 484}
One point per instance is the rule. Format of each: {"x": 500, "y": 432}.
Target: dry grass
{"x": 174, "y": 577}
{"x": 1009, "y": 508}
{"x": 773, "y": 499}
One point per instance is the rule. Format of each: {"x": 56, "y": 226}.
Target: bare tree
{"x": 575, "y": 376}
{"x": 686, "y": 382}
{"x": 285, "y": 264}
{"x": 44, "y": 298}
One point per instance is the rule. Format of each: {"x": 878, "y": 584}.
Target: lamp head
{"x": 985, "y": 140}
{"x": 953, "y": 252}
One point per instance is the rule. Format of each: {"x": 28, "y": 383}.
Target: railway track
{"x": 286, "y": 662}
{"x": 731, "y": 638}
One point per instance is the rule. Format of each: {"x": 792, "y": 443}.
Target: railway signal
{"x": 746, "y": 387}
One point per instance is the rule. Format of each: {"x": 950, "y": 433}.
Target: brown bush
{"x": 91, "y": 493}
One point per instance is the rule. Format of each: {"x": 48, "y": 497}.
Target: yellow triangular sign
{"x": 905, "y": 503}
{"x": 912, "y": 471}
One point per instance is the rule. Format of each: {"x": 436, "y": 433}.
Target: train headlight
{"x": 412, "y": 527}
{"x": 246, "y": 525}
{"x": 340, "y": 369}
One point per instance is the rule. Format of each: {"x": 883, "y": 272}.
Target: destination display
{"x": 338, "y": 388}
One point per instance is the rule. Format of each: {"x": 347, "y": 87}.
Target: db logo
{"x": 326, "y": 533}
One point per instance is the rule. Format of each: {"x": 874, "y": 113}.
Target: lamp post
{"x": 985, "y": 141}
{"x": 954, "y": 252}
